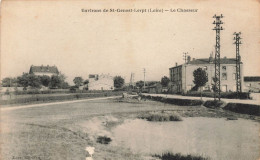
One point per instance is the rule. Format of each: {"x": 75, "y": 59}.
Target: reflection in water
{"x": 213, "y": 137}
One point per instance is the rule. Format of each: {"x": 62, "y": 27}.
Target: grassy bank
{"x": 249, "y": 109}
{"x": 43, "y": 98}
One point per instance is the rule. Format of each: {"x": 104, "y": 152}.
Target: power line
{"x": 185, "y": 54}
{"x": 144, "y": 78}
{"x": 217, "y": 28}
{"x": 238, "y": 61}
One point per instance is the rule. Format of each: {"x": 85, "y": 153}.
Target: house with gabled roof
{"x": 44, "y": 70}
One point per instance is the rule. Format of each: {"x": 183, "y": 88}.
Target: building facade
{"x": 44, "y": 70}
{"x": 181, "y": 76}
{"x": 100, "y": 82}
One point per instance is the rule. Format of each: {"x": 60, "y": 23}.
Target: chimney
{"x": 188, "y": 59}
{"x": 176, "y": 64}
{"x": 210, "y": 58}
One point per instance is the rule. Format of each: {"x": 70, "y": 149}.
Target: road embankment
{"x": 40, "y": 98}
{"x": 243, "y": 108}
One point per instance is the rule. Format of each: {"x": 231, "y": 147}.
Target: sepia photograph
{"x": 129, "y": 80}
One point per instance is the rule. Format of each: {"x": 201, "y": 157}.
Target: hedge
{"x": 229, "y": 95}
{"x": 39, "y": 98}
{"x": 250, "y": 109}
{"x": 180, "y": 102}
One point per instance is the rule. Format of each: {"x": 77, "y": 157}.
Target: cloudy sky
{"x": 80, "y": 43}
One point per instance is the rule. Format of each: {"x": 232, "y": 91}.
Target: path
{"x": 53, "y": 103}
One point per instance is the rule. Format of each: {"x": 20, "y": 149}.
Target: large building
{"x": 100, "y": 82}
{"x": 181, "y": 76}
{"x": 44, "y": 70}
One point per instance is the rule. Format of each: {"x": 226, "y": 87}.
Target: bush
{"x": 229, "y": 95}
{"x": 104, "y": 140}
{"x": 178, "y": 156}
{"x": 180, "y": 102}
{"x": 33, "y": 91}
{"x": 73, "y": 89}
{"x": 161, "y": 117}
{"x": 213, "y": 104}
{"x": 243, "y": 108}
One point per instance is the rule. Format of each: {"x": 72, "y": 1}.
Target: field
{"x": 63, "y": 131}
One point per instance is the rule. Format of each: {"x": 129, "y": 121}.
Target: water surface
{"x": 213, "y": 137}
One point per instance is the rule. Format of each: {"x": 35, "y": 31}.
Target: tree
{"x": 34, "y": 81}
{"x": 165, "y": 81}
{"x": 78, "y": 81}
{"x": 62, "y": 77}
{"x": 200, "y": 78}
{"x": 45, "y": 80}
{"x": 118, "y": 82}
{"x": 64, "y": 85}
{"x": 23, "y": 80}
{"x": 86, "y": 82}
{"x": 140, "y": 84}
{"x": 9, "y": 82}
{"x": 55, "y": 82}
{"x": 27, "y": 80}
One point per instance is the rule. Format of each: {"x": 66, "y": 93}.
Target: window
{"x": 234, "y": 76}
{"x": 234, "y": 88}
{"x": 224, "y": 76}
{"x": 224, "y": 68}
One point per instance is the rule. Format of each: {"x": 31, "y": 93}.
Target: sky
{"x": 82, "y": 43}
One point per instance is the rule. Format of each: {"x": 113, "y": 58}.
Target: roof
{"x": 210, "y": 61}
{"x": 44, "y": 69}
{"x": 206, "y": 61}
{"x": 252, "y": 79}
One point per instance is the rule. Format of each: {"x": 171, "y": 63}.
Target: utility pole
{"x": 185, "y": 54}
{"x": 132, "y": 79}
{"x": 217, "y": 28}
{"x": 144, "y": 78}
{"x": 238, "y": 61}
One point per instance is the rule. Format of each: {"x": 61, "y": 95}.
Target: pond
{"x": 216, "y": 138}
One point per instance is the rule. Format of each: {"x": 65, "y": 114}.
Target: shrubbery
{"x": 243, "y": 108}
{"x": 180, "y": 102}
{"x": 178, "y": 156}
{"x": 104, "y": 140}
{"x": 161, "y": 117}
{"x": 229, "y": 95}
{"x": 213, "y": 104}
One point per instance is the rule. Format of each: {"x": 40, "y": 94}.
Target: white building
{"x": 100, "y": 82}
{"x": 181, "y": 76}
